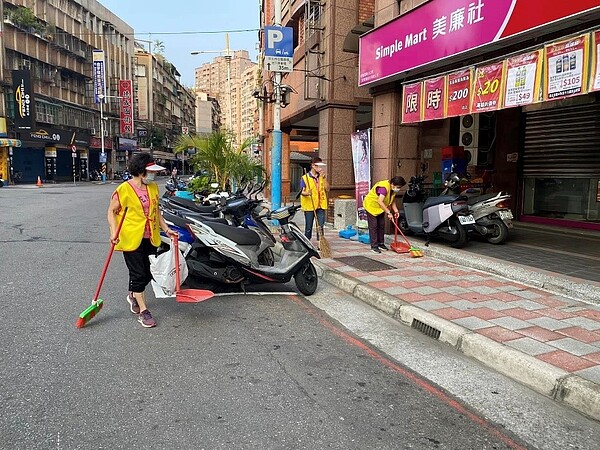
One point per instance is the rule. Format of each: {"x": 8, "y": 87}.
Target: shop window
{"x": 562, "y": 198}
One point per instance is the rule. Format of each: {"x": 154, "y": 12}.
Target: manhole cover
{"x": 364, "y": 264}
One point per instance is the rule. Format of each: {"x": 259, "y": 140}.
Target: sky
{"x": 191, "y": 25}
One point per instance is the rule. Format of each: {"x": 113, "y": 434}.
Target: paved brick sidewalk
{"x": 562, "y": 332}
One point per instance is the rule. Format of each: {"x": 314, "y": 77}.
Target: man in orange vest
{"x": 379, "y": 203}
{"x": 313, "y": 200}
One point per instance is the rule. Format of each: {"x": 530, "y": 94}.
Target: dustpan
{"x": 399, "y": 247}
{"x": 414, "y": 252}
{"x": 187, "y": 295}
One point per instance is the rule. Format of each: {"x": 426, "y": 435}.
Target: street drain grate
{"x": 425, "y": 329}
{"x": 364, "y": 264}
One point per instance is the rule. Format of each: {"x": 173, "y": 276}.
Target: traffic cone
{"x": 39, "y": 182}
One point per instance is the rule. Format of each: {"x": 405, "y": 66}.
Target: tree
{"x": 224, "y": 164}
{"x": 158, "y": 47}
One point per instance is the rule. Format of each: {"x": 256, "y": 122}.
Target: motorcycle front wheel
{"x": 306, "y": 279}
{"x": 499, "y": 232}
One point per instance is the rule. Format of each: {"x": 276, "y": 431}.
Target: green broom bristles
{"x": 89, "y": 313}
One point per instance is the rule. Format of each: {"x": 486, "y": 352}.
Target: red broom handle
{"x": 176, "y": 248}
{"x": 399, "y": 230}
{"x": 108, "y": 257}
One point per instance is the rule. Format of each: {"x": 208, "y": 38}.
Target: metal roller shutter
{"x": 562, "y": 142}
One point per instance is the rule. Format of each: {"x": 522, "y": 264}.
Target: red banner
{"x": 412, "y": 102}
{"x": 566, "y": 68}
{"x": 488, "y": 88}
{"x": 434, "y": 98}
{"x": 595, "y": 81}
{"x": 459, "y": 93}
{"x": 126, "y": 95}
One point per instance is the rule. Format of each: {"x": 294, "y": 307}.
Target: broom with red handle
{"x": 97, "y": 303}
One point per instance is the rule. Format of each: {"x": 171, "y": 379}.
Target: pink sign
{"x": 434, "y": 98}
{"x": 459, "y": 93}
{"x": 126, "y": 95}
{"x": 412, "y": 103}
{"x": 488, "y": 87}
{"x": 442, "y": 28}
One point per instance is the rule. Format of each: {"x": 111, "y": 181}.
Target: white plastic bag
{"x": 162, "y": 268}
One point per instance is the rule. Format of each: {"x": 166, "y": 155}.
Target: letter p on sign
{"x": 273, "y": 37}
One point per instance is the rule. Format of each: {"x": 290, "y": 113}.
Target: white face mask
{"x": 149, "y": 178}
{"x": 396, "y": 190}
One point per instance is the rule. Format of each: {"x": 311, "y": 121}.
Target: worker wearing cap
{"x": 140, "y": 234}
{"x": 313, "y": 200}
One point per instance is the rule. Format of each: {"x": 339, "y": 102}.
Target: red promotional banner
{"x": 459, "y": 93}
{"x": 595, "y": 81}
{"x": 412, "y": 100}
{"x": 126, "y": 95}
{"x": 566, "y": 68}
{"x": 523, "y": 76}
{"x": 488, "y": 88}
{"x": 434, "y": 98}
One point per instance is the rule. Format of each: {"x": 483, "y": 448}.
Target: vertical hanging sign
{"x": 412, "y": 110}
{"x": 23, "y": 95}
{"x": 126, "y": 94}
{"x": 487, "y": 89}
{"x": 523, "y": 77}
{"x": 434, "y": 98}
{"x": 566, "y": 68}
{"x": 99, "y": 75}
{"x": 595, "y": 80}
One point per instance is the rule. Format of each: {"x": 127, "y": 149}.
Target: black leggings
{"x": 138, "y": 264}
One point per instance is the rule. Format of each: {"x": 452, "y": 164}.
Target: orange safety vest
{"x": 134, "y": 225}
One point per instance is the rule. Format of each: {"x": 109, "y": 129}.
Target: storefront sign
{"x": 566, "y": 68}
{"x": 126, "y": 94}
{"x": 595, "y": 81}
{"x": 488, "y": 87}
{"x": 96, "y": 142}
{"x": 23, "y": 95}
{"x": 434, "y": 98}
{"x": 412, "y": 110}
{"x": 129, "y": 145}
{"x": 459, "y": 93}
{"x": 523, "y": 77}
{"x": 50, "y": 135}
{"x": 443, "y": 28}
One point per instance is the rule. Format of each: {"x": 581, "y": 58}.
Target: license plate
{"x": 505, "y": 215}
{"x": 466, "y": 220}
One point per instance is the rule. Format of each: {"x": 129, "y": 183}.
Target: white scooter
{"x": 493, "y": 217}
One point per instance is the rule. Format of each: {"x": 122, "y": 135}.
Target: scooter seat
{"x": 204, "y": 218}
{"x": 183, "y": 221}
{"x": 241, "y": 236}
{"x": 191, "y": 205}
{"x": 480, "y": 198}
{"x": 441, "y": 199}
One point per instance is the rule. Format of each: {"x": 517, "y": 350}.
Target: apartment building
{"x": 166, "y": 108}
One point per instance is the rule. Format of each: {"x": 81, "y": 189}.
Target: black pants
{"x": 376, "y": 229}
{"x": 138, "y": 264}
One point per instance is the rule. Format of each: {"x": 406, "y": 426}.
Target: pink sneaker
{"x": 146, "y": 319}
{"x": 133, "y": 304}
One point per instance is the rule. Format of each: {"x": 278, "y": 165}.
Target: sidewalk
{"x": 511, "y": 317}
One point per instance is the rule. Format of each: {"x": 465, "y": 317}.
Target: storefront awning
{"x": 5, "y": 142}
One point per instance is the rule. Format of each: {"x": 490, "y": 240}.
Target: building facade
{"x": 512, "y": 84}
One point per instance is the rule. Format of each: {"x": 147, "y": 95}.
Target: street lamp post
{"x": 228, "y": 56}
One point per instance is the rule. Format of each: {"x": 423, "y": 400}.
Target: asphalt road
{"x": 268, "y": 372}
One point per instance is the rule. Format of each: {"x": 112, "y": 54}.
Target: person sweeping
{"x": 313, "y": 201}
{"x": 379, "y": 203}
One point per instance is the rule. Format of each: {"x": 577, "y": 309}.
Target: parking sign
{"x": 279, "y": 49}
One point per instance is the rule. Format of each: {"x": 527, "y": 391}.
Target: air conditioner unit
{"x": 26, "y": 64}
{"x": 92, "y": 131}
{"x": 469, "y": 137}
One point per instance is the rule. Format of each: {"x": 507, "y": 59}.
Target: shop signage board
{"x": 488, "y": 87}
{"x": 126, "y": 113}
{"x": 98, "y": 74}
{"x": 434, "y": 98}
{"x": 412, "y": 103}
{"x": 595, "y": 81}
{"x": 440, "y": 29}
{"x": 566, "y": 68}
{"x": 523, "y": 78}
{"x": 459, "y": 93}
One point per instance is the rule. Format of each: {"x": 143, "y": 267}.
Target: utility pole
{"x": 276, "y": 149}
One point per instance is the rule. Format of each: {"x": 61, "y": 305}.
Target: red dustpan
{"x": 187, "y": 295}
{"x": 399, "y": 247}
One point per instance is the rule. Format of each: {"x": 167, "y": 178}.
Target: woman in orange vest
{"x": 140, "y": 233}
{"x": 313, "y": 200}
{"x": 379, "y": 203}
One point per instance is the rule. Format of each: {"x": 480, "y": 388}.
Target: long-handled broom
{"x": 413, "y": 251}
{"x": 323, "y": 244}
{"x": 97, "y": 303}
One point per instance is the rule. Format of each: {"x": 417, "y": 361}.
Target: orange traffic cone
{"x": 39, "y": 182}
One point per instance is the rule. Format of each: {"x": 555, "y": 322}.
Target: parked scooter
{"x": 493, "y": 217}
{"x": 444, "y": 216}
{"x": 174, "y": 185}
{"x": 230, "y": 255}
